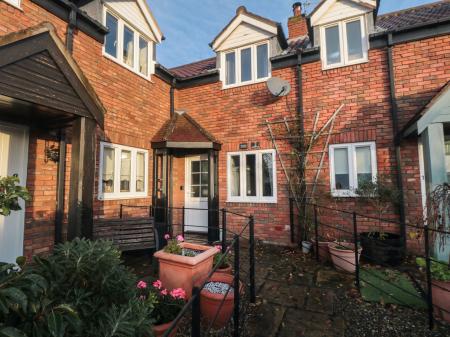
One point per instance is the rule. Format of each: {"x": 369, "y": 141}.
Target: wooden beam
{"x": 82, "y": 179}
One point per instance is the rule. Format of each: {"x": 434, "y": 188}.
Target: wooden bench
{"x": 128, "y": 234}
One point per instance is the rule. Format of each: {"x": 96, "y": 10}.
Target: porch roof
{"x": 40, "y": 82}
{"x": 437, "y": 110}
{"x": 182, "y": 131}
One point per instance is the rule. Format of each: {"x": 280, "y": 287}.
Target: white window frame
{"x": 259, "y": 198}
{"x": 342, "y": 27}
{"x": 353, "y": 177}
{"x": 119, "y": 59}
{"x": 117, "y": 164}
{"x": 237, "y": 52}
{"x": 14, "y": 3}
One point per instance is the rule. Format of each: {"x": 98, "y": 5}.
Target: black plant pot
{"x": 388, "y": 250}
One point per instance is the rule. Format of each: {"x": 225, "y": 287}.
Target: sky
{"x": 190, "y": 25}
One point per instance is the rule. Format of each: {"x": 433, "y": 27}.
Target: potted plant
{"x": 379, "y": 246}
{"x": 306, "y": 247}
{"x": 225, "y": 266}
{"x": 440, "y": 273}
{"x": 182, "y": 264}
{"x": 343, "y": 256}
{"x": 217, "y": 300}
{"x": 166, "y": 305}
{"x": 323, "y": 250}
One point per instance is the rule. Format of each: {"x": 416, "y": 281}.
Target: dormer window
{"x": 246, "y": 65}
{"x": 127, "y": 46}
{"x": 344, "y": 43}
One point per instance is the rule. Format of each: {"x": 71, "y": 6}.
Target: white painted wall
{"x": 243, "y": 35}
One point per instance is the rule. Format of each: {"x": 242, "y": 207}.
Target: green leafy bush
{"x": 90, "y": 276}
{"x": 81, "y": 290}
{"x": 439, "y": 271}
{"x": 26, "y": 308}
{"x": 10, "y": 193}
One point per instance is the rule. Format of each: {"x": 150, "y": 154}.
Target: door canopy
{"x": 37, "y": 71}
{"x": 183, "y": 132}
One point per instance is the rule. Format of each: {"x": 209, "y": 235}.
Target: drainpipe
{"x": 71, "y": 27}
{"x": 301, "y": 143}
{"x": 397, "y": 140}
{"x": 172, "y": 97}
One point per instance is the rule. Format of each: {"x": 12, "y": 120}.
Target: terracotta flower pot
{"x": 225, "y": 270}
{"x": 324, "y": 251}
{"x": 177, "y": 271}
{"x": 159, "y": 330}
{"x": 344, "y": 259}
{"x": 441, "y": 299}
{"x": 210, "y": 303}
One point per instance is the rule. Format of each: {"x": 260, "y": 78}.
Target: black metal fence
{"x": 342, "y": 227}
{"x": 237, "y": 240}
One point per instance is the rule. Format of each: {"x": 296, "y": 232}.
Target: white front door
{"x": 13, "y": 160}
{"x": 196, "y": 194}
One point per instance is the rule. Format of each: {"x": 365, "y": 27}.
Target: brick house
{"x": 101, "y": 123}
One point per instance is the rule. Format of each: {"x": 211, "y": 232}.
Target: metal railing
{"x": 236, "y": 231}
{"x": 349, "y": 227}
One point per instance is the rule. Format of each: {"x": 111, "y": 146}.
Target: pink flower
{"x": 142, "y": 285}
{"x": 180, "y": 238}
{"x": 164, "y": 292}
{"x": 178, "y": 293}
{"x": 157, "y": 284}
{"x": 219, "y": 247}
{"x": 167, "y": 236}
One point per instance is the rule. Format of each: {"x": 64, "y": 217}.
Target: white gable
{"x": 138, "y": 15}
{"x": 244, "y": 29}
{"x": 436, "y": 112}
{"x": 335, "y": 10}
{"x": 244, "y": 34}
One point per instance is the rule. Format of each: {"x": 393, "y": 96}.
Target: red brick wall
{"x": 135, "y": 107}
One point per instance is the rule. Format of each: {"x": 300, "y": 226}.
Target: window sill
{"x": 122, "y": 197}
{"x": 344, "y": 194}
{"x": 343, "y": 65}
{"x": 246, "y": 201}
{"x": 127, "y": 67}
{"x": 231, "y": 86}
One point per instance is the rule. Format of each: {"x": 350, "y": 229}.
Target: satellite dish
{"x": 278, "y": 87}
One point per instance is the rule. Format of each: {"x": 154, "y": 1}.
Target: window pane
{"x": 263, "y": 61}
{"x": 108, "y": 170}
{"x": 251, "y": 175}
{"x": 235, "y": 176}
{"x": 354, "y": 40}
{"x": 195, "y": 179}
{"x": 140, "y": 172}
{"x": 204, "y": 191}
{"x": 267, "y": 174}
{"x": 230, "y": 65}
{"x": 246, "y": 64}
{"x": 341, "y": 169}
{"x": 143, "y": 56}
{"x": 333, "y": 45}
{"x": 204, "y": 167}
{"x": 363, "y": 164}
{"x": 128, "y": 46}
{"x": 195, "y": 166}
{"x": 204, "y": 179}
{"x": 195, "y": 191}
{"x": 111, "y": 37}
{"x": 125, "y": 171}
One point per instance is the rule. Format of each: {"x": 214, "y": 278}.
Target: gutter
{"x": 397, "y": 140}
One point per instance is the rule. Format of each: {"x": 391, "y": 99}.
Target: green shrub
{"x": 90, "y": 276}
{"x": 26, "y": 308}
{"x": 81, "y": 290}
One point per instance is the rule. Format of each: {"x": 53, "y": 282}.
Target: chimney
{"x": 297, "y": 24}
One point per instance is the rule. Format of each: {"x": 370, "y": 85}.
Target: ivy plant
{"x": 10, "y": 193}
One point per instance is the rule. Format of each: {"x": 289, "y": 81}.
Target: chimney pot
{"x": 241, "y": 9}
{"x": 297, "y": 8}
